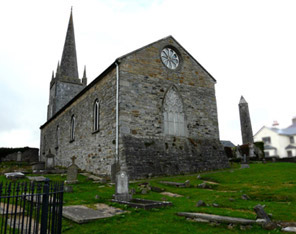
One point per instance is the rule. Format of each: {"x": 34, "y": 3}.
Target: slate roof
{"x": 227, "y": 144}
{"x": 289, "y": 131}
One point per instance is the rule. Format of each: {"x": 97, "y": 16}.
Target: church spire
{"x": 84, "y": 78}
{"x": 68, "y": 67}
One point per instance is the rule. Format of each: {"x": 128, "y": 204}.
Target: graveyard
{"x": 231, "y": 194}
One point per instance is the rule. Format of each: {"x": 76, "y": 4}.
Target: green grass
{"x": 272, "y": 184}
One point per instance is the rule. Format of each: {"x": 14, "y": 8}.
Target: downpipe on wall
{"x": 117, "y": 114}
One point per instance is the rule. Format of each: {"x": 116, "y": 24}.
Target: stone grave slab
{"x": 186, "y": 184}
{"x": 37, "y": 178}
{"x": 10, "y": 210}
{"x": 84, "y": 214}
{"x": 14, "y": 175}
{"x": 217, "y": 218}
{"x": 19, "y": 221}
{"x": 244, "y": 165}
{"x": 143, "y": 203}
{"x": 171, "y": 194}
{"x": 289, "y": 229}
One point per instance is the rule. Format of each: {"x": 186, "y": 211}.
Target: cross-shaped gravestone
{"x": 72, "y": 172}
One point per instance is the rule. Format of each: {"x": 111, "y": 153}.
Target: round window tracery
{"x": 170, "y": 58}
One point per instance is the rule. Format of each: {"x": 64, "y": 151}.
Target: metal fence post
{"x": 44, "y": 211}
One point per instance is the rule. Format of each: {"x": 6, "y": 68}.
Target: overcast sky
{"x": 248, "y": 46}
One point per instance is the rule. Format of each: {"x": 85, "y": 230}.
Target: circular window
{"x": 170, "y": 58}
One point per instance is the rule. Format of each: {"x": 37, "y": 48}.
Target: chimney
{"x": 294, "y": 120}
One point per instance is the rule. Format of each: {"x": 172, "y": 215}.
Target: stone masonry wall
{"x": 65, "y": 92}
{"x": 144, "y": 81}
{"x": 245, "y": 121}
{"x": 94, "y": 150}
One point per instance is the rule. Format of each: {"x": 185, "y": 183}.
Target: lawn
{"x": 271, "y": 184}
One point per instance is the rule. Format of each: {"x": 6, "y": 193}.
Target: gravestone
{"x": 19, "y": 156}
{"x": 238, "y": 154}
{"x": 14, "y": 175}
{"x": 244, "y": 163}
{"x": 72, "y": 172}
{"x": 121, "y": 184}
{"x": 49, "y": 161}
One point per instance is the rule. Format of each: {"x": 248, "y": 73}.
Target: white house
{"x": 278, "y": 142}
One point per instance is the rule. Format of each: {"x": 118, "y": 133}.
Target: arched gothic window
{"x": 72, "y": 131}
{"x": 173, "y": 112}
{"x": 96, "y": 115}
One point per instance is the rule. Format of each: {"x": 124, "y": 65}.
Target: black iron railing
{"x": 31, "y": 207}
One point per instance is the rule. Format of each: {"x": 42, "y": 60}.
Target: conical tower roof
{"x": 242, "y": 100}
{"x": 69, "y": 69}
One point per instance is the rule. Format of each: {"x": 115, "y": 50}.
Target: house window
{"x": 96, "y": 115}
{"x": 72, "y": 131}
{"x": 174, "y": 117}
{"x": 266, "y": 140}
{"x": 289, "y": 152}
{"x": 57, "y": 136}
{"x": 266, "y": 153}
{"x": 291, "y": 139}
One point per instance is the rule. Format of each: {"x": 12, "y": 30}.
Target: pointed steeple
{"x": 58, "y": 71}
{"x": 52, "y": 76}
{"x": 69, "y": 68}
{"x": 242, "y": 100}
{"x": 84, "y": 78}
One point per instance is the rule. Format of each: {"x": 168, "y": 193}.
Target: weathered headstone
{"x": 244, "y": 163}
{"x": 19, "y": 156}
{"x": 72, "y": 172}
{"x": 238, "y": 154}
{"x": 121, "y": 190}
{"x": 49, "y": 161}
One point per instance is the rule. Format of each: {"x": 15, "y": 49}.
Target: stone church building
{"x": 152, "y": 110}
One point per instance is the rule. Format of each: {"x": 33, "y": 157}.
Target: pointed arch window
{"x": 72, "y": 128}
{"x": 96, "y": 115}
{"x": 173, "y": 113}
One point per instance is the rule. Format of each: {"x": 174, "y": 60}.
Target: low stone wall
{"x": 28, "y": 155}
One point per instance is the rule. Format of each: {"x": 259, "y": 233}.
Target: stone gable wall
{"x": 144, "y": 81}
{"x": 94, "y": 150}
